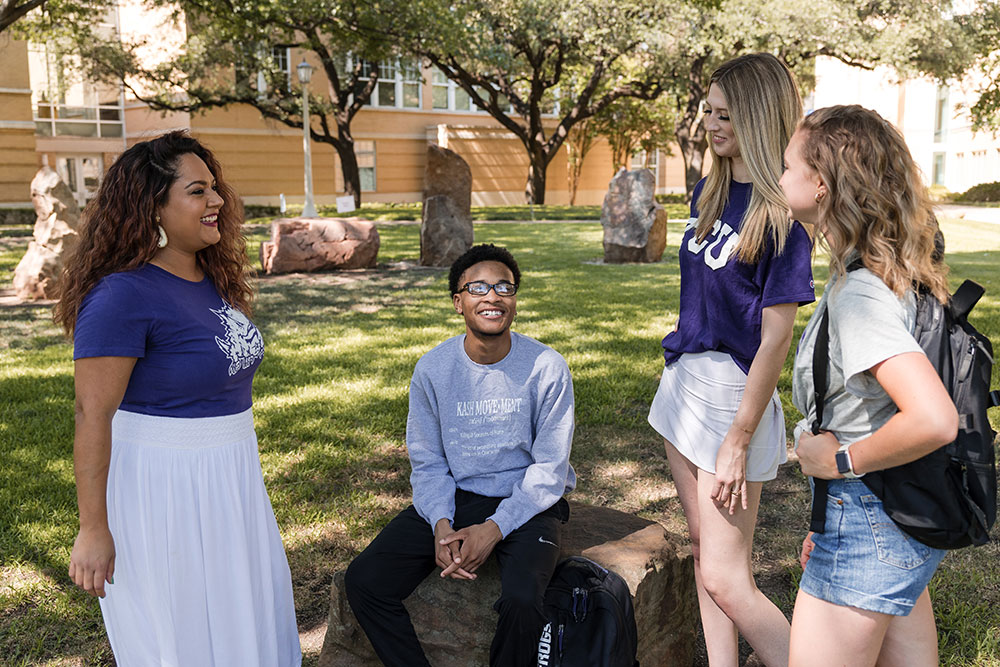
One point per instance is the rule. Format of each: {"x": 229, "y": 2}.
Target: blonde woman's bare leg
{"x": 720, "y": 632}
{"x": 911, "y": 641}
{"x": 726, "y": 545}
{"x": 829, "y": 635}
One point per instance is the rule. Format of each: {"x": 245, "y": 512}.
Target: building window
{"x": 937, "y": 176}
{"x": 398, "y": 85}
{"x": 281, "y": 60}
{"x": 941, "y": 114}
{"x": 365, "y": 153}
{"x": 451, "y": 96}
{"x": 639, "y": 160}
{"x": 64, "y": 105}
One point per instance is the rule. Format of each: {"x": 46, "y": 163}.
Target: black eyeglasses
{"x": 482, "y": 288}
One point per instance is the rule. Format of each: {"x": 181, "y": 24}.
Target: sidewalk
{"x": 977, "y": 213}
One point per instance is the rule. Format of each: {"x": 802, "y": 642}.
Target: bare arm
{"x": 730, "y": 465}
{"x": 100, "y": 385}
{"x": 926, "y": 420}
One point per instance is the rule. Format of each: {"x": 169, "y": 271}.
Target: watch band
{"x": 844, "y": 464}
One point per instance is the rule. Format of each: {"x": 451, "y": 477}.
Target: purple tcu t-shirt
{"x": 196, "y": 354}
{"x": 722, "y": 297}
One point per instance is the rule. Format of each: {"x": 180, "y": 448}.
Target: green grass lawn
{"x": 330, "y": 402}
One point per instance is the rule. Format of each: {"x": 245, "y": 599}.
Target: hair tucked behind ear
{"x": 877, "y": 204}
{"x": 119, "y": 230}
{"x": 764, "y": 108}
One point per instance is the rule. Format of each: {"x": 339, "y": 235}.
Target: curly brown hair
{"x": 119, "y": 232}
{"x": 878, "y": 204}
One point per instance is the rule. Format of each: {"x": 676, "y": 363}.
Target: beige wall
{"x": 18, "y": 161}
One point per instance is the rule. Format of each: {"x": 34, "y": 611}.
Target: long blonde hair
{"x": 764, "y": 109}
{"x": 876, "y": 204}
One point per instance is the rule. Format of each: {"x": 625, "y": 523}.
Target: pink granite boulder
{"x": 319, "y": 244}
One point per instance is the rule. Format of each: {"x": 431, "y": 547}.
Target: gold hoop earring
{"x": 818, "y": 196}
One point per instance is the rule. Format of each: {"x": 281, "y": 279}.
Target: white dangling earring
{"x": 162, "y": 243}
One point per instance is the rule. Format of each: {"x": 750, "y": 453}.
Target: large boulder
{"x": 656, "y": 565}
{"x": 319, "y": 244}
{"x": 635, "y": 225}
{"x": 37, "y": 275}
{"x": 446, "y": 221}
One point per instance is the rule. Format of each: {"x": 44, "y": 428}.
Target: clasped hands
{"x": 459, "y": 553}
{"x": 817, "y": 454}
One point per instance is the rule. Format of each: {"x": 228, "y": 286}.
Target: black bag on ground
{"x": 591, "y": 622}
{"x": 948, "y": 498}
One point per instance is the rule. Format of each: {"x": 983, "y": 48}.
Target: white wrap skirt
{"x": 695, "y": 405}
{"x": 201, "y": 578}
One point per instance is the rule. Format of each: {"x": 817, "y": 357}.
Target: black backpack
{"x": 948, "y": 498}
{"x": 591, "y": 622}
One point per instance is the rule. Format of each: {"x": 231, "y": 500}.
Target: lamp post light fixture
{"x": 304, "y": 71}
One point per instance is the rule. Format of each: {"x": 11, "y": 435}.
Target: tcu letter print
{"x": 721, "y": 235}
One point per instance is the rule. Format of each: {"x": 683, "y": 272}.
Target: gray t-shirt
{"x": 868, "y": 324}
{"x": 502, "y": 430}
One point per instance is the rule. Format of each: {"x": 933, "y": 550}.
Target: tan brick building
{"x": 78, "y": 128}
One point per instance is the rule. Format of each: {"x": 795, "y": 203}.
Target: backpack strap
{"x": 820, "y": 368}
{"x": 965, "y": 298}
{"x": 994, "y": 398}
{"x": 821, "y": 378}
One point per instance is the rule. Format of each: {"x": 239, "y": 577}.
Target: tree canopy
{"x": 539, "y": 67}
{"x": 914, "y": 38}
{"x": 229, "y": 59}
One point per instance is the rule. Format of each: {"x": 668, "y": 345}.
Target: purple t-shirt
{"x": 196, "y": 354}
{"x": 722, "y": 297}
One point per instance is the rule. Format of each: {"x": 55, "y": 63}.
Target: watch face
{"x": 843, "y": 464}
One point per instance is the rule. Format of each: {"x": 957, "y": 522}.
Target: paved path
{"x": 977, "y": 213}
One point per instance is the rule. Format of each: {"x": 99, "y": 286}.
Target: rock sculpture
{"x": 657, "y": 566}
{"x": 319, "y": 244}
{"x": 37, "y": 274}
{"x": 446, "y": 222}
{"x": 635, "y": 225}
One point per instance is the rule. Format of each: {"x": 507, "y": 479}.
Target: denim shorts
{"x": 863, "y": 559}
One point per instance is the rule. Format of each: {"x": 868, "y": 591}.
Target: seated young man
{"x": 488, "y": 433}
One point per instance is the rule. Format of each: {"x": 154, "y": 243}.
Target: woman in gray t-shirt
{"x": 863, "y": 594}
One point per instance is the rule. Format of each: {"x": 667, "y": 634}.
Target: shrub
{"x": 672, "y": 198}
{"x": 17, "y": 216}
{"x": 940, "y": 193}
{"x": 988, "y": 192}
{"x": 260, "y": 211}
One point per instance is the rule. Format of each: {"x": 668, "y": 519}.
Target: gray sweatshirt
{"x": 502, "y": 430}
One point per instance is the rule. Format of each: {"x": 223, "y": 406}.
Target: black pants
{"x": 402, "y": 555}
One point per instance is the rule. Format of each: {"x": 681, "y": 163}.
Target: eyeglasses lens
{"x": 480, "y": 288}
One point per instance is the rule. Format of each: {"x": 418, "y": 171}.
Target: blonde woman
{"x": 863, "y": 596}
{"x": 745, "y": 269}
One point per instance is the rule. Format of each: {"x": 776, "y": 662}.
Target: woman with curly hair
{"x": 745, "y": 269}
{"x": 177, "y": 535}
{"x": 863, "y": 595}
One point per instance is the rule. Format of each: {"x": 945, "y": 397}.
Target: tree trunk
{"x": 348, "y": 164}
{"x": 693, "y": 146}
{"x": 534, "y": 189}
{"x": 690, "y": 130}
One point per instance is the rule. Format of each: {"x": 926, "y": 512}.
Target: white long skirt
{"x": 201, "y": 578}
{"x": 695, "y": 405}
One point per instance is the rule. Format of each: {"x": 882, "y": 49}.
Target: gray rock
{"x": 444, "y": 233}
{"x": 37, "y": 275}
{"x": 446, "y": 221}
{"x": 635, "y": 225}
{"x": 656, "y": 565}
{"x": 319, "y": 244}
